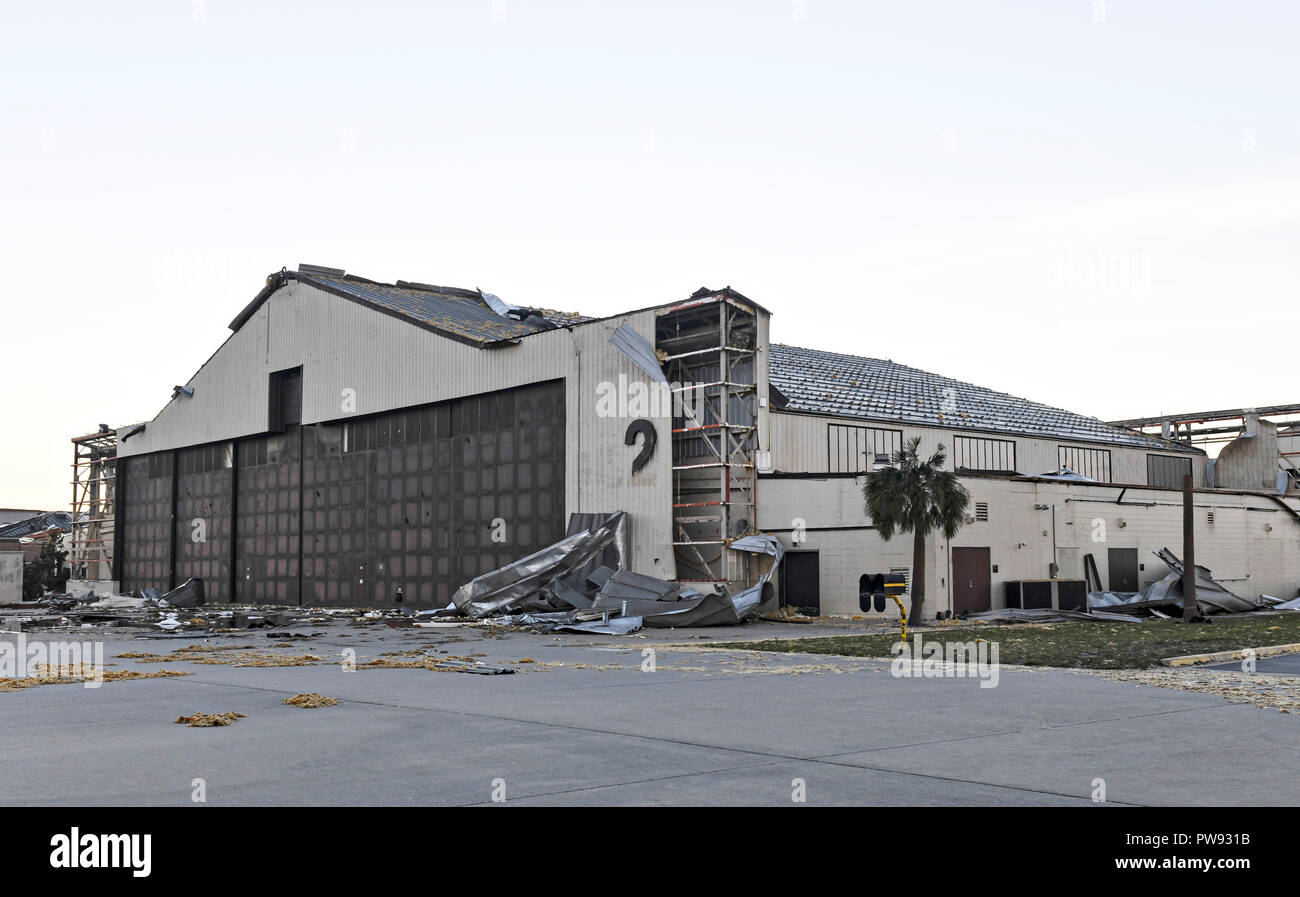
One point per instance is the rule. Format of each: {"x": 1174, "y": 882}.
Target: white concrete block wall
{"x": 1252, "y": 546}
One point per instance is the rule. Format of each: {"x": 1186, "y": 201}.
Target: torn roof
{"x": 818, "y": 382}
{"x": 461, "y": 314}
{"x": 40, "y": 523}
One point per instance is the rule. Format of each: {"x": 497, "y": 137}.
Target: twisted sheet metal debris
{"x": 1211, "y": 596}
{"x": 565, "y": 587}
{"x": 516, "y": 582}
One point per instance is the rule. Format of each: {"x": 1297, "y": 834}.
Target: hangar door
{"x": 145, "y": 521}
{"x": 404, "y": 507}
{"x": 395, "y": 509}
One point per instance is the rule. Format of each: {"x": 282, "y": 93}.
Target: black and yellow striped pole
{"x": 893, "y": 589}
{"x": 902, "y": 614}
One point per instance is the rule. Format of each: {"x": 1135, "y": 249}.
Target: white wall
{"x": 1252, "y": 547}
{"x": 799, "y": 445}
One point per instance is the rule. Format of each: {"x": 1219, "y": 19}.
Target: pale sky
{"x": 1090, "y": 204}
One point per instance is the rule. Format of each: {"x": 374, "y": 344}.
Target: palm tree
{"x": 916, "y": 496}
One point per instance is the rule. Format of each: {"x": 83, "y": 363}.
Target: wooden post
{"x": 1189, "y": 552}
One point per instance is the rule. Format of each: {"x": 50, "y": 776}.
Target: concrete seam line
{"x": 1265, "y": 651}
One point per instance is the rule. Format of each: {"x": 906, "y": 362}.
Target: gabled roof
{"x": 461, "y": 314}
{"x": 829, "y": 383}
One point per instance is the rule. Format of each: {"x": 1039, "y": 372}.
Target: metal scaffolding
{"x": 707, "y": 346}
{"x": 94, "y": 470}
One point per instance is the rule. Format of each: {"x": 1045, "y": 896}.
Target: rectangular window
{"x": 982, "y": 511}
{"x": 976, "y": 453}
{"x": 854, "y": 449}
{"x": 1089, "y": 462}
{"x": 1163, "y": 470}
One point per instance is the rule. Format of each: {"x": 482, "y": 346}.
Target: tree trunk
{"x": 917, "y": 584}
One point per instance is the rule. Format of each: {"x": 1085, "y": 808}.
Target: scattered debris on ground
{"x": 311, "y": 699}
{"x": 206, "y": 720}
{"x": 67, "y": 675}
{"x": 446, "y": 664}
{"x": 1068, "y": 644}
{"x": 229, "y": 655}
{"x": 1281, "y": 693}
{"x": 582, "y": 584}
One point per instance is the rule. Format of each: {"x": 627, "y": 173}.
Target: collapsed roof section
{"x": 470, "y": 316}
{"x": 830, "y": 383}
{"x": 40, "y": 523}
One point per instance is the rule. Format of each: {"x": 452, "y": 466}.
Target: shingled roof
{"x": 829, "y": 383}
{"x": 461, "y": 314}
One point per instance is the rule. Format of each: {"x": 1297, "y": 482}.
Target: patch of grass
{"x": 1078, "y": 643}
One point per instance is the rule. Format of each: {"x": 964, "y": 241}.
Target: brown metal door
{"x": 972, "y": 583}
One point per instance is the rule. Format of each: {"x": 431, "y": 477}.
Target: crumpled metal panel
{"x": 503, "y": 587}
{"x": 536, "y": 587}
{"x": 1211, "y": 597}
{"x": 1065, "y": 475}
{"x": 612, "y": 626}
{"x": 1049, "y": 615}
{"x": 638, "y": 348}
{"x": 762, "y": 543}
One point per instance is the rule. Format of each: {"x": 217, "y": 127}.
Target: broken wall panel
{"x": 147, "y": 522}
{"x": 204, "y": 502}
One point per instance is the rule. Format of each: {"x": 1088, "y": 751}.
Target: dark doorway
{"x": 801, "y": 580}
{"x": 972, "y": 583}
{"x": 1123, "y": 569}
{"x": 285, "y": 400}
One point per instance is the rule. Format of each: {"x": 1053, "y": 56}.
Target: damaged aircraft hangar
{"x": 360, "y": 444}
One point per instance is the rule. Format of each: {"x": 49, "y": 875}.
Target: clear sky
{"x": 1090, "y": 204}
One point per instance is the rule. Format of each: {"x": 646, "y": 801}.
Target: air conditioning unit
{"x": 1056, "y": 594}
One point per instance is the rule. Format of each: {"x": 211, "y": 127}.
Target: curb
{"x": 1267, "y": 651}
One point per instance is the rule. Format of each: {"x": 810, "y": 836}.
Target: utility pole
{"x": 1189, "y": 552}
